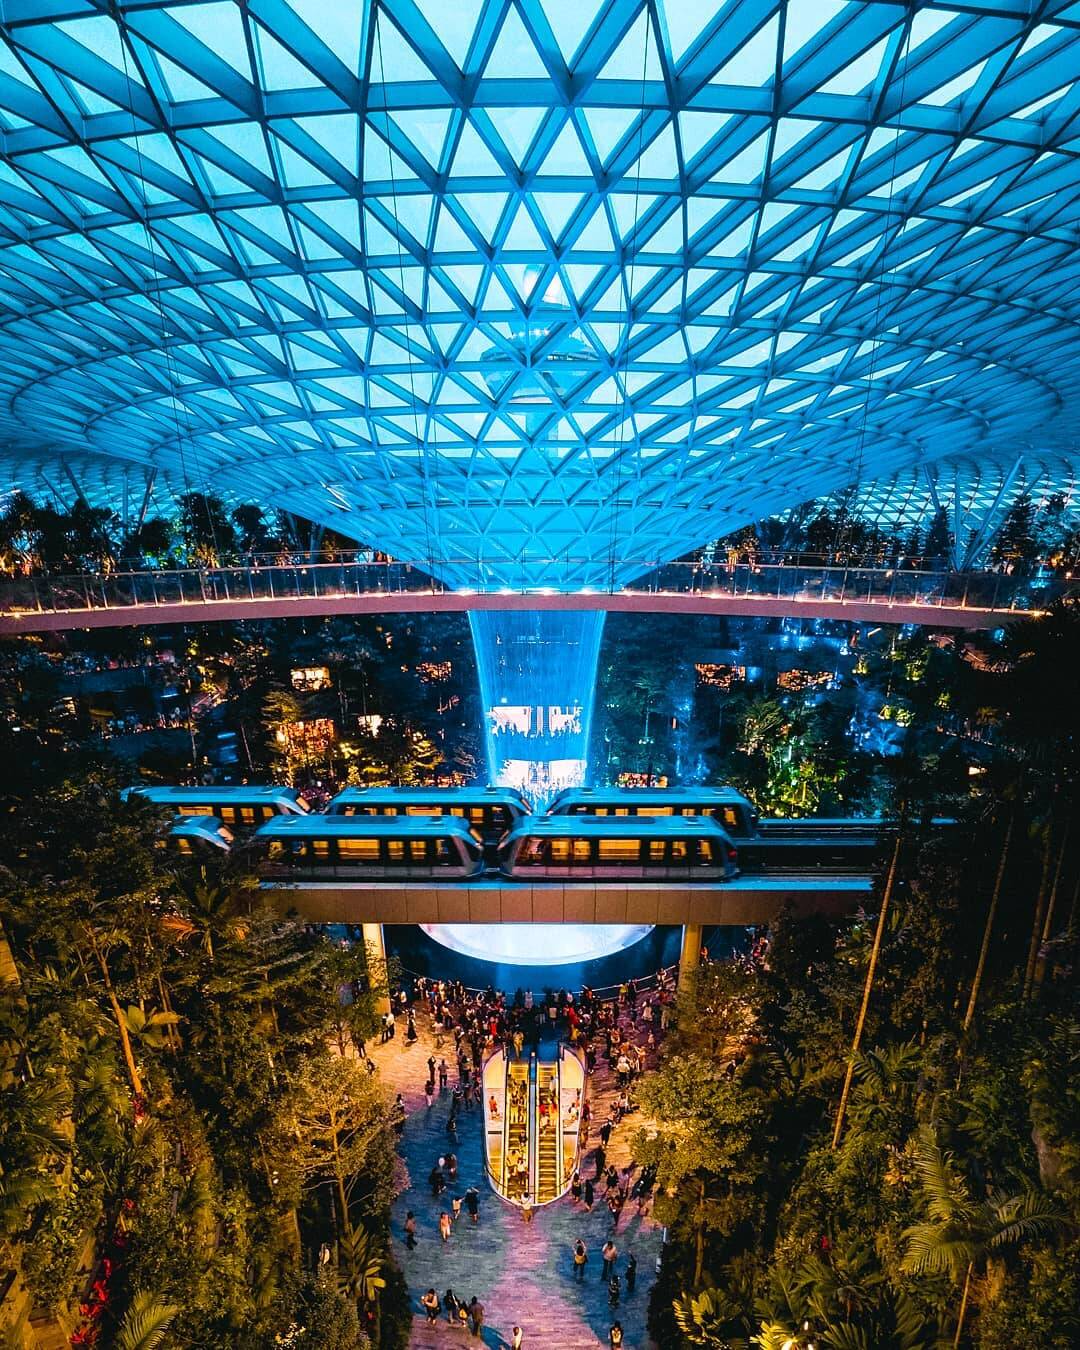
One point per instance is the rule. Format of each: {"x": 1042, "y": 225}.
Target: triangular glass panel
{"x": 393, "y": 61}
{"x": 220, "y": 28}
{"x": 754, "y": 63}
{"x": 684, "y": 20}
{"x": 472, "y": 158}
{"x": 180, "y": 85}
{"x": 426, "y": 128}
{"x": 804, "y": 20}
{"x": 859, "y": 73}
{"x": 516, "y": 127}
{"x": 635, "y": 57}
{"x": 658, "y": 160}
{"x": 454, "y": 25}
{"x": 514, "y": 57}
{"x": 566, "y": 158}
{"x": 338, "y": 25}
{"x": 697, "y": 129}
{"x": 954, "y": 89}
{"x": 747, "y": 166}
{"x": 277, "y": 66}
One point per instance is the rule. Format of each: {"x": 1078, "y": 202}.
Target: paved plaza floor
{"x": 522, "y": 1273}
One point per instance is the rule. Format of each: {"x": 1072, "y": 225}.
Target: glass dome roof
{"x": 536, "y": 290}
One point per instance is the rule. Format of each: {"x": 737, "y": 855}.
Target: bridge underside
{"x": 748, "y": 901}
{"x": 944, "y": 615}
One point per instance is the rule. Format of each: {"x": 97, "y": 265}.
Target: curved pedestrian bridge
{"x": 299, "y": 590}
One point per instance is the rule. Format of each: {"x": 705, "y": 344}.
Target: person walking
{"x": 605, "y": 1132}
{"x": 410, "y": 1230}
{"x": 444, "y": 1075}
{"x": 601, "y": 1158}
{"x": 430, "y": 1304}
{"x": 526, "y": 1208}
{"x": 450, "y": 1307}
{"x": 476, "y": 1316}
{"x": 610, "y": 1253}
{"x": 444, "y": 1226}
{"x": 472, "y": 1203}
{"x": 613, "y": 1291}
{"x": 615, "y": 1336}
{"x": 575, "y": 1186}
{"x": 515, "y": 1338}
{"x": 631, "y": 1273}
{"x": 589, "y": 1195}
{"x": 581, "y": 1255}
{"x": 493, "y": 1107}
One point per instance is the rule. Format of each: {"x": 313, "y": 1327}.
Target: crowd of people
{"x": 466, "y": 1027}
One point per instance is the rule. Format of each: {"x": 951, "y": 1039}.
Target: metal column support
{"x": 984, "y": 532}
{"x": 151, "y": 479}
{"x": 376, "y": 949}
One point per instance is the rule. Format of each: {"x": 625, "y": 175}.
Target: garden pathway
{"x": 522, "y": 1273}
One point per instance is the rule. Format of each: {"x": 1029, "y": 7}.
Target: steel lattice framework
{"x": 514, "y": 281}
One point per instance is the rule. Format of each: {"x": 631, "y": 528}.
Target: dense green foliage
{"x": 179, "y": 1094}
{"x": 941, "y": 1205}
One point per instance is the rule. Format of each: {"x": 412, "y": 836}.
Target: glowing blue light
{"x": 536, "y": 944}
{"x": 537, "y": 678}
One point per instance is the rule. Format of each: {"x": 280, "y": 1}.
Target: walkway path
{"x": 522, "y": 1273}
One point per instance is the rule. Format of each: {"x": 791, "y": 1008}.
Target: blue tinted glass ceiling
{"x": 547, "y": 280}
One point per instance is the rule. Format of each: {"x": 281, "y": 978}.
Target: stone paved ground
{"x": 522, "y": 1273}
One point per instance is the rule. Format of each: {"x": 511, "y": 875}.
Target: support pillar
{"x": 690, "y": 953}
{"x": 376, "y": 947}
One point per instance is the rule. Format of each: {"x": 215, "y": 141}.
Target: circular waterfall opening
{"x": 536, "y": 944}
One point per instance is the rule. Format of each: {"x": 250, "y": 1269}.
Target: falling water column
{"x": 537, "y": 681}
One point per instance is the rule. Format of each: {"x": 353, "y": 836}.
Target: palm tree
{"x": 868, "y": 986}
{"x": 360, "y": 1266}
{"x": 960, "y": 1232}
{"x": 146, "y": 1322}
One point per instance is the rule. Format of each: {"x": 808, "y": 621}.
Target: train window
{"x": 277, "y": 849}
{"x": 184, "y": 845}
{"x": 678, "y": 850}
{"x": 421, "y": 810}
{"x": 621, "y": 811}
{"x": 661, "y": 811}
{"x": 247, "y": 815}
{"x": 395, "y": 850}
{"x": 193, "y": 810}
{"x": 656, "y": 850}
{"x": 619, "y": 850}
{"x": 445, "y": 854}
{"x": 582, "y": 850}
{"x": 418, "y": 850}
{"x": 474, "y": 813}
{"x": 359, "y": 850}
{"x": 560, "y": 851}
{"x": 731, "y": 818}
{"x": 705, "y": 851}
{"x": 320, "y": 848}
{"x": 530, "y": 852}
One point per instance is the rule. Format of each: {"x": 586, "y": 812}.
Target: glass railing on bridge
{"x": 360, "y": 577}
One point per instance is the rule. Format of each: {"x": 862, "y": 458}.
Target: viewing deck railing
{"x": 362, "y": 579}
